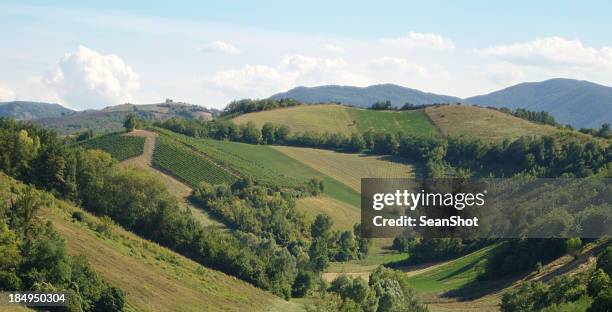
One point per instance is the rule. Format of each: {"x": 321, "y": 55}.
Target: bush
{"x": 78, "y": 216}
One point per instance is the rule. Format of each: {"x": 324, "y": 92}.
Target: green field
{"x": 188, "y": 165}
{"x": 342, "y": 119}
{"x": 453, "y": 274}
{"x": 121, "y": 147}
{"x": 265, "y": 164}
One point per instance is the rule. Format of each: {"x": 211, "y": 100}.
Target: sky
{"x": 85, "y": 54}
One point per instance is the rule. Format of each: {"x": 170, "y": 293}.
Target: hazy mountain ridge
{"x": 364, "y": 96}
{"x": 26, "y": 110}
{"x": 575, "y": 102}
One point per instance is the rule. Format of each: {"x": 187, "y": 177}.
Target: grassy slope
{"x": 344, "y": 215}
{"x": 350, "y": 168}
{"x": 154, "y": 278}
{"x": 488, "y": 124}
{"x": 452, "y": 274}
{"x": 343, "y": 119}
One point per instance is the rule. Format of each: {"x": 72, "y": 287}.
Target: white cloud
{"x": 503, "y": 73}
{"x": 394, "y": 64}
{"x": 552, "y": 51}
{"x": 421, "y": 40}
{"x": 221, "y": 46}
{"x": 291, "y": 71}
{"x": 333, "y": 48}
{"x": 88, "y": 79}
{"x": 6, "y": 94}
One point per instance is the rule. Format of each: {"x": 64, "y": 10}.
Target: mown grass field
{"x": 343, "y": 214}
{"x": 188, "y": 165}
{"x": 484, "y": 123}
{"x": 265, "y": 164}
{"x": 154, "y": 278}
{"x": 341, "y": 119}
{"x": 121, "y": 147}
{"x": 350, "y": 168}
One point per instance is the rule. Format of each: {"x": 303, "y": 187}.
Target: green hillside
{"x": 121, "y": 147}
{"x": 265, "y": 164}
{"x": 188, "y": 165}
{"x": 341, "y": 119}
{"x": 153, "y": 278}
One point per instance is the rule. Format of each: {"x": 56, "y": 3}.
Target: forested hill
{"x": 24, "y": 110}
{"x": 578, "y": 103}
{"x": 364, "y": 97}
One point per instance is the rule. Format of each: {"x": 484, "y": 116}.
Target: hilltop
{"x": 576, "y": 102}
{"x": 23, "y": 110}
{"x": 110, "y": 119}
{"x": 364, "y": 97}
{"x": 448, "y": 120}
{"x": 343, "y": 119}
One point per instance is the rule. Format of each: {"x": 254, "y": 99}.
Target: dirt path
{"x": 176, "y": 187}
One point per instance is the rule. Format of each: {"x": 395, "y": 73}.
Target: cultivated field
{"x": 179, "y": 189}
{"x": 265, "y": 164}
{"x": 350, "y": 168}
{"x": 121, "y": 147}
{"x": 187, "y": 164}
{"x": 341, "y": 119}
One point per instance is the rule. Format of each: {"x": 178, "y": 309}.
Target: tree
{"x": 250, "y": 133}
{"x": 572, "y": 246}
{"x": 131, "y": 122}
{"x": 604, "y": 260}
{"x": 321, "y": 227}
{"x": 268, "y": 133}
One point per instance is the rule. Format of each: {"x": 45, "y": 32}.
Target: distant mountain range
{"x": 66, "y": 121}
{"x": 574, "y": 102}
{"x": 23, "y": 110}
{"x": 579, "y": 103}
{"x": 364, "y": 97}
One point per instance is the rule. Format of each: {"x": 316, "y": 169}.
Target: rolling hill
{"x": 484, "y": 123}
{"x": 575, "y": 102}
{"x": 343, "y": 119}
{"x": 23, "y": 110}
{"x": 110, "y": 119}
{"x": 153, "y": 277}
{"x": 364, "y": 97}
{"x": 449, "y": 120}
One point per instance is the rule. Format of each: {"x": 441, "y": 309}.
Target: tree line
{"x": 544, "y": 156}
{"x": 249, "y": 106}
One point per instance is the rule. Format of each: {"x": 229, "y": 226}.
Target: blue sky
{"x": 88, "y": 55}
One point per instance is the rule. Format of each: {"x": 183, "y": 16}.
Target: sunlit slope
{"x": 484, "y": 123}
{"x": 154, "y": 278}
{"x": 341, "y": 119}
{"x": 350, "y": 168}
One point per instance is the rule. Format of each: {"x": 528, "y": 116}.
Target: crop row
{"x": 234, "y": 155}
{"x": 121, "y": 147}
{"x": 188, "y": 165}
